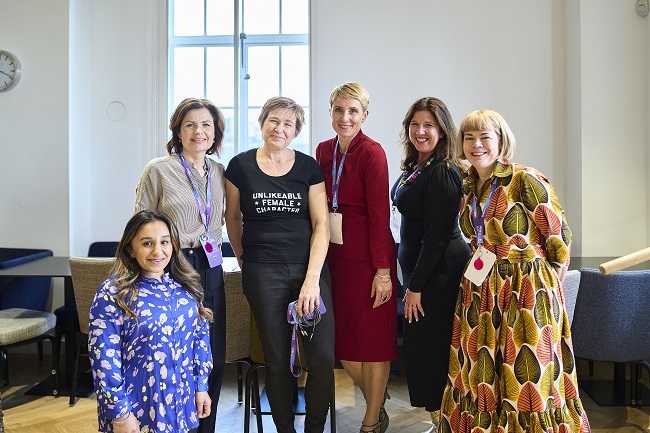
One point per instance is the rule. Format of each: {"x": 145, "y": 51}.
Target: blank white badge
{"x": 336, "y": 228}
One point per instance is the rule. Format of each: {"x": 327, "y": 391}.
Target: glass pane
{"x": 220, "y": 76}
{"x": 295, "y": 73}
{"x": 295, "y": 16}
{"x": 261, "y": 17}
{"x": 253, "y": 130}
{"x": 301, "y": 142}
{"x": 228, "y": 150}
{"x": 188, "y": 17}
{"x": 263, "y": 68}
{"x": 221, "y": 17}
{"x": 188, "y": 74}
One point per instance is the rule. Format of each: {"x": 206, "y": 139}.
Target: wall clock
{"x": 9, "y": 70}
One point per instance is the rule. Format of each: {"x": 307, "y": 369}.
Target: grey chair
{"x": 87, "y": 275}
{"x": 570, "y": 288}
{"x": 610, "y": 323}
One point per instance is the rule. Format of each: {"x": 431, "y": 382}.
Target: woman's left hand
{"x": 413, "y": 306}
{"x": 309, "y": 295}
{"x": 382, "y": 287}
{"x": 203, "y": 403}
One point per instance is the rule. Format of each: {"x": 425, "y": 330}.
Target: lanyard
{"x": 204, "y": 212}
{"x": 336, "y": 177}
{"x": 479, "y": 223}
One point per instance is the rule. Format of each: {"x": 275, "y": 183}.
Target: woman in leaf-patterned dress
{"x": 511, "y": 366}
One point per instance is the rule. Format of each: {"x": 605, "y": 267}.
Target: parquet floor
{"x": 27, "y": 414}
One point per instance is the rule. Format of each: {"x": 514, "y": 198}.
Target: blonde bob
{"x": 486, "y": 120}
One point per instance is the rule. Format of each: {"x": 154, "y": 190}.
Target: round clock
{"x": 9, "y": 70}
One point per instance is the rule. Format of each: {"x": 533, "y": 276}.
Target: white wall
{"x": 570, "y": 77}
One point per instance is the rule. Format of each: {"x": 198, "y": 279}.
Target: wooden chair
{"x": 238, "y": 328}
{"x": 87, "y": 275}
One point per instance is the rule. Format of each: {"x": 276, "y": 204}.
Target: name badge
{"x": 480, "y": 265}
{"x": 336, "y": 228}
{"x": 395, "y": 222}
{"x": 212, "y": 250}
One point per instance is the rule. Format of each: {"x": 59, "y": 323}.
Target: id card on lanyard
{"x": 207, "y": 239}
{"x": 482, "y": 261}
{"x": 336, "y": 219}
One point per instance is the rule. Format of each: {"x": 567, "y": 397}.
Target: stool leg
{"x": 333, "y": 411}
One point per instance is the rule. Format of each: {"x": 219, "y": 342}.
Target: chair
{"x": 30, "y": 293}
{"x": 2, "y": 424}
{"x": 610, "y": 323}
{"x": 261, "y": 406}
{"x": 238, "y": 328}
{"x": 20, "y": 326}
{"x": 570, "y": 288}
{"x": 87, "y": 275}
{"x": 96, "y": 249}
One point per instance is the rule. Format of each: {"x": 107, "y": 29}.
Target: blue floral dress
{"x": 151, "y": 365}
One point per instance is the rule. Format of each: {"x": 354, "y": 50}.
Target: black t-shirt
{"x": 275, "y": 209}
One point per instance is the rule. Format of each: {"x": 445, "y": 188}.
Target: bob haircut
{"x": 485, "y": 120}
{"x": 283, "y": 103}
{"x": 126, "y": 269}
{"x": 351, "y": 91}
{"x": 446, "y": 148}
{"x": 174, "y": 145}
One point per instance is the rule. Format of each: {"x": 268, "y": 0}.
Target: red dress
{"x": 362, "y": 333}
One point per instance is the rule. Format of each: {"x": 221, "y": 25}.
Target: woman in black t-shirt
{"x": 276, "y": 216}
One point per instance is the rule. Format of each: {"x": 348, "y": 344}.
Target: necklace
{"x": 417, "y": 171}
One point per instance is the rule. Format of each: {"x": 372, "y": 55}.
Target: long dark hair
{"x": 126, "y": 269}
{"x": 174, "y": 145}
{"x": 447, "y": 147}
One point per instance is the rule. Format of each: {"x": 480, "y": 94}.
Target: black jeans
{"x": 215, "y": 299}
{"x": 269, "y": 287}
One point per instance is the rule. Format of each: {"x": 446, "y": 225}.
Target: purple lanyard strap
{"x": 479, "y": 223}
{"x": 295, "y": 347}
{"x": 336, "y": 178}
{"x": 204, "y": 212}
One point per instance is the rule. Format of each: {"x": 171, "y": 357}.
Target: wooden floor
{"x": 26, "y": 414}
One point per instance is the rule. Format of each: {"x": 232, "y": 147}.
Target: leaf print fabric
{"x": 512, "y": 367}
{"x": 153, "y": 364}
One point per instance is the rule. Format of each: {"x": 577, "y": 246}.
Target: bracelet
{"x": 123, "y": 421}
{"x": 383, "y": 277}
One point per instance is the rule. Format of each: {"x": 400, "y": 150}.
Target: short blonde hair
{"x": 483, "y": 120}
{"x": 351, "y": 91}
{"x": 283, "y": 103}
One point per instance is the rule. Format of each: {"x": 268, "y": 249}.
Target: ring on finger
{"x": 383, "y": 298}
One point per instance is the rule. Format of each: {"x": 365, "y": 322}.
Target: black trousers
{"x": 215, "y": 299}
{"x": 269, "y": 287}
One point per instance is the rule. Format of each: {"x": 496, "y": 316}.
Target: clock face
{"x": 9, "y": 70}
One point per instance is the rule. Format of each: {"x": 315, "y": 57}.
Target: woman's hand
{"x": 309, "y": 295}
{"x": 413, "y": 306}
{"x": 382, "y": 287}
{"x": 203, "y": 403}
{"x": 126, "y": 424}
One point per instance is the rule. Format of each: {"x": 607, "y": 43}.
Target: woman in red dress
{"x": 361, "y": 254}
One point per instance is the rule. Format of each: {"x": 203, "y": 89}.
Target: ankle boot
{"x": 434, "y": 421}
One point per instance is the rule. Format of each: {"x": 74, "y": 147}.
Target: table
{"x": 55, "y": 267}
{"x": 608, "y": 392}
{"x": 595, "y": 262}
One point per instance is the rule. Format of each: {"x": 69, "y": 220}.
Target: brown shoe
{"x": 370, "y": 428}
{"x": 383, "y": 419}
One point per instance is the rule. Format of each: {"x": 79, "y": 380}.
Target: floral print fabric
{"x": 512, "y": 367}
{"x": 153, "y": 364}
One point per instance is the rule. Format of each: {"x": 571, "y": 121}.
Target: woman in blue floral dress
{"x": 149, "y": 336}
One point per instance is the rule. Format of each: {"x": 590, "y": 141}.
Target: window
{"x": 239, "y": 53}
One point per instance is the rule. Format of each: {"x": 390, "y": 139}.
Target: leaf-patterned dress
{"x": 511, "y": 366}
{"x": 151, "y": 365}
